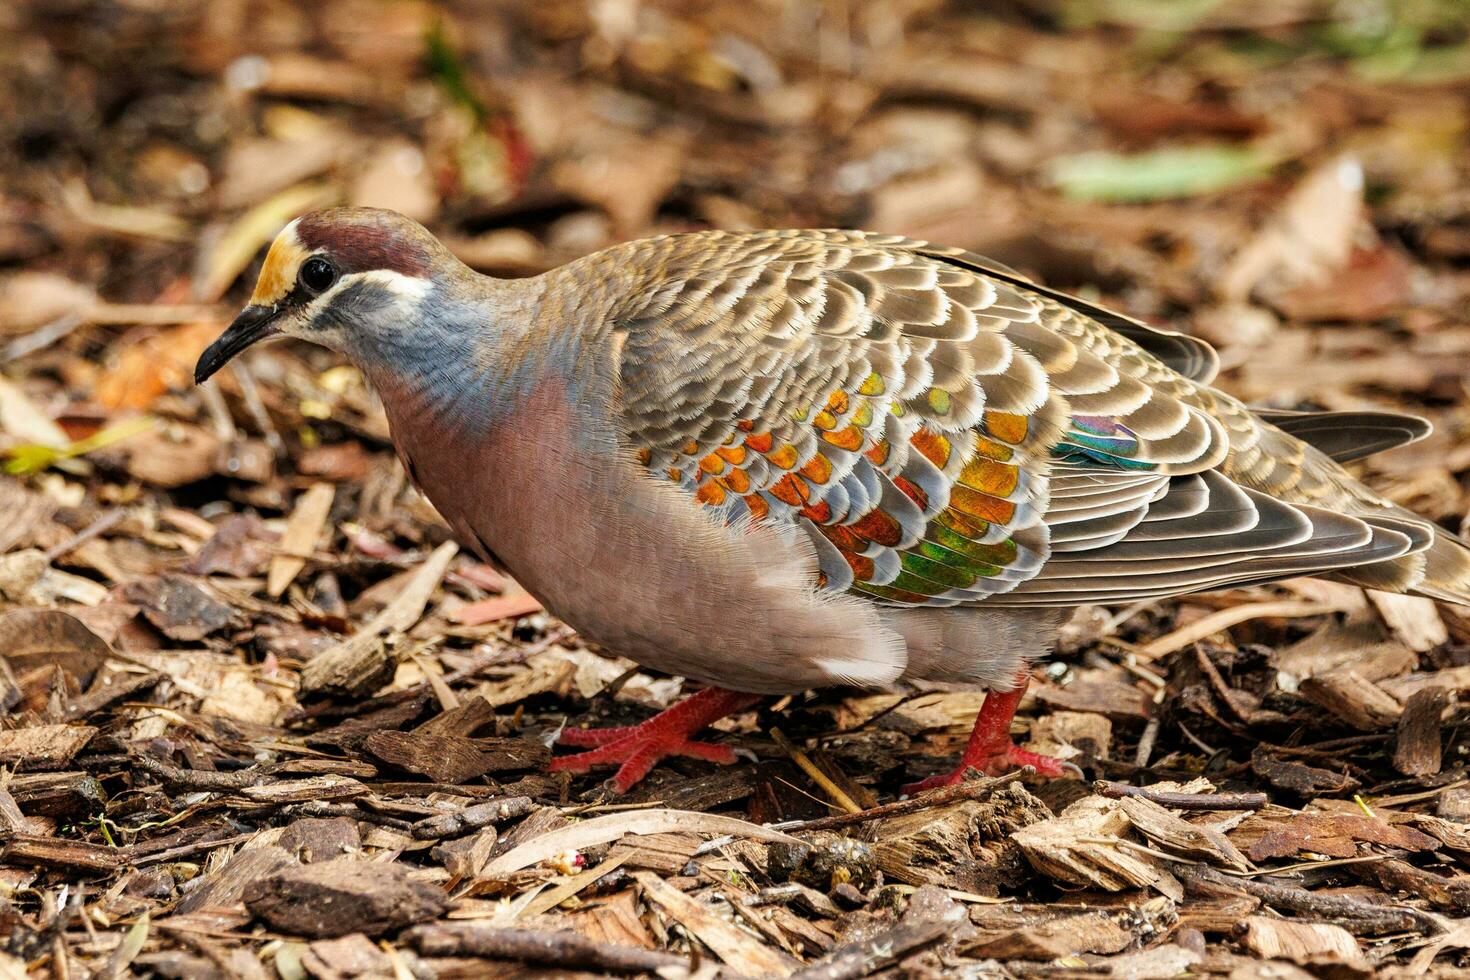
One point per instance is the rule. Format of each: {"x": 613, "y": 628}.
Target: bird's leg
{"x": 990, "y": 749}
{"x": 639, "y": 747}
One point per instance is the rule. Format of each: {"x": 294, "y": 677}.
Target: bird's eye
{"x": 317, "y": 274}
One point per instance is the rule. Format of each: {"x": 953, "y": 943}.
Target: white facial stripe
{"x": 404, "y": 287}
{"x": 407, "y": 290}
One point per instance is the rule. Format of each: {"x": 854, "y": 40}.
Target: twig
{"x": 562, "y": 948}
{"x": 102, "y": 524}
{"x": 864, "y": 958}
{"x": 1356, "y": 917}
{"x": 1223, "y": 619}
{"x": 196, "y": 779}
{"x": 253, "y": 403}
{"x": 1146, "y": 742}
{"x": 322, "y": 808}
{"x": 817, "y": 775}
{"x": 474, "y": 817}
{"x": 1183, "y": 801}
{"x": 40, "y": 338}
{"x": 974, "y": 789}
{"x": 186, "y": 850}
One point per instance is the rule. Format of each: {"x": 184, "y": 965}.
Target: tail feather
{"x": 1346, "y": 436}
{"x": 1446, "y": 570}
{"x": 1279, "y": 463}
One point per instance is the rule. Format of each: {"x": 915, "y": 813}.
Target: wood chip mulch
{"x": 260, "y": 717}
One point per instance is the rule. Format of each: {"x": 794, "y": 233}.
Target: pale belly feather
{"x": 634, "y": 564}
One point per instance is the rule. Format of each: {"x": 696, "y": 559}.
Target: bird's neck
{"x": 471, "y": 357}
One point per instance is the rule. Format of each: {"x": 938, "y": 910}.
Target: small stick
{"x": 818, "y": 776}
{"x": 322, "y": 808}
{"x": 972, "y": 789}
{"x": 563, "y": 948}
{"x": 474, "y": 817}
{"x": 187, "y": 850}
{"x": 1182, "y": 801}
{"x": 1146, "y": 743}
{"x": 1358, "y": 918}
{"x": 104, "y": 523}
{"x": 196, "y": 779}
{"x": 257, "y": 409}
{"x": 40, "y": 338}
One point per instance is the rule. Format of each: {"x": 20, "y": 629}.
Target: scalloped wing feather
{"x": 946, "y": 432}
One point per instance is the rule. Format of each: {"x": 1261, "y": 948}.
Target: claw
{"x": 638, "y": 748}
{"x": 991, "y": 750}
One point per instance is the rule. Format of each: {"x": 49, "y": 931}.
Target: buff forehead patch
{"x": 278, "y": 274}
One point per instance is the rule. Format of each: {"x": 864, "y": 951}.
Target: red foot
{"x": 990, "y": 749}
{"x": 640, "y": 747}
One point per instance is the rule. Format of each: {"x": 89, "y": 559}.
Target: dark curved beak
{"x": 255, "y": 323}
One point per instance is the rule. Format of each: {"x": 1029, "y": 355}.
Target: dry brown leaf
{"x": 1335, "y": 835}
{"x": 1309, "y": 237}
{"x": 146, "y": 366}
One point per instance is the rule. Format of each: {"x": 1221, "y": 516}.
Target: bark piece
{"x": 10, "y": 692}
{"x": 178, "y": 608}
{"x": 362, "y": 663}
{"x": 1450, "y": 895}
{"x": 12, "y": 820}
{"x": 223, "y": 888}
{"x": 1068, "y": 735}
{"x": 965, "y": 845}
{"x": 109, "y": 691}
{"x": 1418, "y": 751}
{"x": 925, "y": 923}
{"x": 1303, "y": 943}
{"x": 471, "y": 716}
{"x": 44, "y": 746}
{"x": 305, "y": 525}
{"x": 1069, "y": 936}
{"x": 1414, "y": 619}
{"x": 60, "y": 854}
{"x": 320, "y": 839}
{"x": 1307, "y": 780}
{"x": 1354, "y": 699}
{"x": 57, "y": 794}
{"x": 353, "y": 955}
{"x": 1216, "y": 914}
{"x": 668, "y": 854}
{"x": 738, "y": 949}
{"x": 1336, "y": 835}
{"x": 313, "y": 789}
{"x": 453, "y": 758}
{"x": 334, "y": 898}
{"x": 1172, "y": 833}
{"x": 1159, "y": 963}
{"x": 1116, "y": 699}
{"x": 353, "y": 668}
{"x": 1085, "y": 846}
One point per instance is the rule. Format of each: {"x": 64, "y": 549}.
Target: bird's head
{"x": 344, "y": 278}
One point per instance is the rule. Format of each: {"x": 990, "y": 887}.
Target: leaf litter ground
{"x": 263, "y": 718}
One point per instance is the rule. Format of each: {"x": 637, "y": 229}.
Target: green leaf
{"x": 1159, "y": 174}
{"x": 32, "y": 457}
